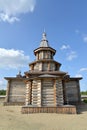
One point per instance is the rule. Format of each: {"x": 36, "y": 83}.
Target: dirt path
{"x": 12, "y": 119}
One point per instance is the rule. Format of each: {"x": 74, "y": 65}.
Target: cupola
{"x": 44, "y": 51}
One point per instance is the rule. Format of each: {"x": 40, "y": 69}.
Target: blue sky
{"x": 22, "y": 23}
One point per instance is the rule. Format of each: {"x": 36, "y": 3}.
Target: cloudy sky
{"x": 22, "y": 23}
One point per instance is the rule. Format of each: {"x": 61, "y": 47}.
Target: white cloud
{"x": 82, "y": 35}
{"x": 10, "y": 58}
{"x": 78, "y": 75}
{"x": 81, "y": 72}
{"x": 2, "y": 84}
{"x": 11, "y": 9}
{"x": 71, "y": 55}
{"x": 7, "y": 18}
{"x": 85, "y": 38}
{"x": 65, "y": 47}
{"x": 83, "y": 69}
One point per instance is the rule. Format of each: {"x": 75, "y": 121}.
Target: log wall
{"x": 71, "y": 92}
{"x": 59, "y": 92}
{"x": 36, "y": 93}
{"x": 45, "y": 66}
{"x": 47, "y": 92}
{"x": 17, "y": 91}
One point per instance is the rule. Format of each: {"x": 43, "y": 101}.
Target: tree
{"x": 2, "y": 92}
{"x": 84, "y": 92}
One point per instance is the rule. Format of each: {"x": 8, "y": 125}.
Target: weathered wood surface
{"x": 71, "y": 91}
{"x": 47, "y": 93}
{"x": 36, "y": 92}
{"x": 60, "y": 109}
{"x": 17, "y": 91}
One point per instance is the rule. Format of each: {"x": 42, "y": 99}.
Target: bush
{"x": 85, "y": 100}
{"x": 2, "y": 92}
{"x": 84, "y": 93}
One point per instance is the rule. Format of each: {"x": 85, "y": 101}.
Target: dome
{"x": 44, "y": 41}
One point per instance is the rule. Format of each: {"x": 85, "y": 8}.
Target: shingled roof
{"x": 44, "y": 41}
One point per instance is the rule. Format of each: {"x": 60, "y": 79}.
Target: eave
{"x": 44, "y": 60}
{"x": 43, "y": 49}
{"x": 45, "y": 72}
{"x": 14, "y": 78}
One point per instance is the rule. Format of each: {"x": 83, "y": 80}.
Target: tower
{"x": 44, "y": 83}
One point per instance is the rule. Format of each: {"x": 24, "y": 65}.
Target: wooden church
{"x": 44, "y": 88}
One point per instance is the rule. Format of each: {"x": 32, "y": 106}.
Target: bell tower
{"x": 45, "y": 78}
{"x": 44, "y": 57}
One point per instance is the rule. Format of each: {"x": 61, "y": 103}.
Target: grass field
{"x": 12, "y": 119}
